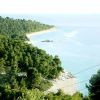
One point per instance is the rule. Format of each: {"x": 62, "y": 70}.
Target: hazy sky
{"x": 49, "y": 6}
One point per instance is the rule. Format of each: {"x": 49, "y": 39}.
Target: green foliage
{"x": 34, "y": 94}
{"x": 6, "y": 93}
{"x": 25, "y": 67}
{"x": 60, "y": 95}
{"x": 18, "y": 56}
{"x": 17, "y": 28}
{"x": 44, "y": 85}
{"x": 94, "y": 86}
{"x": 77, "y": 96}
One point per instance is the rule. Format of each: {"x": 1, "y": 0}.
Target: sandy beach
{"x": 66, "y": 82}
{"x": 40, "y": 32}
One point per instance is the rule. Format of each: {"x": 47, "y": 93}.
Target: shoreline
{"x": 66, "y": 82}
{"x": 29, "y": 35}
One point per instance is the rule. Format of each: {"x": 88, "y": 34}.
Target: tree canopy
{"x": 60, "y": 95}
{"x": 17, "y": 28}
{"x": 25, "y": 66}
{"x": 94, "y": 86}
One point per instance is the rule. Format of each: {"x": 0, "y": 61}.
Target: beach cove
{"x": 77, "y": 47}
{"x": 66, "y": 81}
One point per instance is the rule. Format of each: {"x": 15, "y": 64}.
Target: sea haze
{"x": 76, "y": 41}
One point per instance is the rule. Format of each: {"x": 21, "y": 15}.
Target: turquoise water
{"x": 76, "y": 41}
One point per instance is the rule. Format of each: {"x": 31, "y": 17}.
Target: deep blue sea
{"x": 76, "y": 41}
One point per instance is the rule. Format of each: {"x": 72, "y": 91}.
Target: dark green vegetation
{"x": 94, "y": 87}
{"x": 17, "y": 28}
{"x": 62, "y": 96}
{"x": 24, "y": 66}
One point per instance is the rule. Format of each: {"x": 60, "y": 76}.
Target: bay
{"x": 76, "y": 41}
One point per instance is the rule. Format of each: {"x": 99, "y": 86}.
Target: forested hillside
{"x": 16, "y": 28}
{"x": 25, "y": 66}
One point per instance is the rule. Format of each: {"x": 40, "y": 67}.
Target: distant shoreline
{"x": 29, "y": 35}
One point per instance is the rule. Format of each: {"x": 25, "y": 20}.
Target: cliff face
{"x": 66, "y": 82}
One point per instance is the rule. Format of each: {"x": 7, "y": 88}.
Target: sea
{"x": 76, "y": 41}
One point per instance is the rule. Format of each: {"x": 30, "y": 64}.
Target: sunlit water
{"x": 76, "y": 41}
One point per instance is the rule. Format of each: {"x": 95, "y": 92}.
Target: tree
{"x": 86, "y": 98}
{"x": 94, "y": 86}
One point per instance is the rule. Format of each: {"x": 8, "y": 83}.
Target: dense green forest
{"x": 25, "y": 66}
{"x": 17, "y": 28}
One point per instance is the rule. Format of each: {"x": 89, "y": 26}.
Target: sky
{"x": 49, "y": 6}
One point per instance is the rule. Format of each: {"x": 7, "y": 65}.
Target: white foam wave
{"x": 71, "y": 34}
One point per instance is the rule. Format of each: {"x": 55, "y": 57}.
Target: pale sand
{"x": 65, "y": 82}
{"x": 29, "y": 35}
